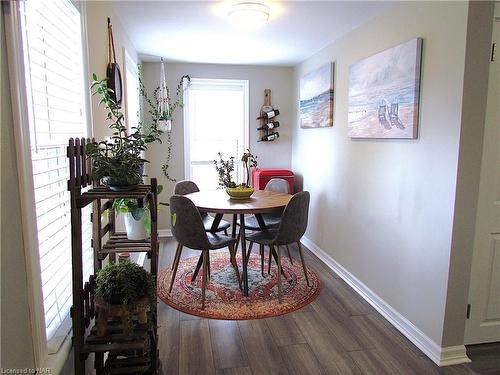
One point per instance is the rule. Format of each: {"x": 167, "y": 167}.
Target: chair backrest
{"x": 294, "y": 220}
{"x": 185, "y": 187}
{"x": 278, "y": 185}
{"x": 187, "y": 224}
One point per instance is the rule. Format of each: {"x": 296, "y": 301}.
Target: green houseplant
{"x": 123, "y": 290}
{"x": 249, "y": 161}
{"x": 137, "y": 219}
{"x": 225, "y": 169}
{"x": 124, "y": 283}
{"x": 118, "y": 161}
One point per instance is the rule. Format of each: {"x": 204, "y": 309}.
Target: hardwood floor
{"x": 339, "y": 333}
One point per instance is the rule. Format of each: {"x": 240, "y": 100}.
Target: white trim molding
{"x": 164, "y": 233}
{"x": 442, "y": 356}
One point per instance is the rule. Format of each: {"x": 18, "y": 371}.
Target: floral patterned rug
{"x": 224, "y": 299}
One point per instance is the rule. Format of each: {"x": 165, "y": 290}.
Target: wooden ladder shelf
{"x": 133, "y": 352}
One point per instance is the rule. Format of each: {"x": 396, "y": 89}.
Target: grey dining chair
{"x": 188, "y": 187}
{"x": 291, "y": 229}
{"x": 271, "y": 220}
{"x": 188, "y": 230}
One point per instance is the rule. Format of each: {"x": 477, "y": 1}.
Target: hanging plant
{"x": 161, "y": 109}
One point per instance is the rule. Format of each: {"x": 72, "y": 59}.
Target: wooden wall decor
{"x": 268, "y": 121}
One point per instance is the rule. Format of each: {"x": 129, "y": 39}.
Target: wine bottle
{"x": 269, "y": 115}
{"x": 270, "y": 137}
{"x": 270, "y": 125}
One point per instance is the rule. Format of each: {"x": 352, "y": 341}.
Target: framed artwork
{"x": 384, "y": 92}
{"x": 316, "y": 98}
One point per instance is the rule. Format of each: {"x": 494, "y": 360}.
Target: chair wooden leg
{"x": 235, "y": 264}
{"x": 197, "y": 268}
{"x": 303, "y": 263}
{"x": 279, "y": 273}
{"x": 269, "y": 260}
{"x": 177, "y": 252}
{"x": 272, "y": 254}
{"x": 249, "y": 251}
{"x": 174, "y": 272}
{"x": 289, "y": 255}
{"x": 239, "y": 239}
{"x": 204, "y": 278}
{"x": 208, "y": 265}
{"x": 261, "y": 248}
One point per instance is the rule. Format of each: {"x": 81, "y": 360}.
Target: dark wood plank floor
{"x": 339, "y": 333}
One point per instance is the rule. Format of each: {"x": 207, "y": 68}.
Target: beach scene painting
{"x": 384, "y": 92}
{"x": 316, "y": 98}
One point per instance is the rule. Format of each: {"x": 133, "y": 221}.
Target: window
{"x": 131, "y": 92}
{"x": 215, "y": 120}
{"x": 56, "y": 104}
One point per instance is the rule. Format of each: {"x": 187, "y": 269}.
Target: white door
{"x": 483, "y": 324}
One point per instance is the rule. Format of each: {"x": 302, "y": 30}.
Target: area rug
{"x": 225, "y": 300}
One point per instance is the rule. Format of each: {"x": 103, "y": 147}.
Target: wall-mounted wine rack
{"x": 268, "y": 121}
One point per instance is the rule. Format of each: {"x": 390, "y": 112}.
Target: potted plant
{"x": 122, "y": 290}
{"x": 161, "y": 109}
{"x": 137, "y": 219}
{"x": 249, "y": 161}
{"x": 225, "y": 169}
{"x": 117, "y": 161}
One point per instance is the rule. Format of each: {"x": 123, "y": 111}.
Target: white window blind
{"x": 216, "y": 119}
{"x": 52, "y": 41}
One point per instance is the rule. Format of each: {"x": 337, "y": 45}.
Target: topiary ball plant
{"x": 124, "y": 283}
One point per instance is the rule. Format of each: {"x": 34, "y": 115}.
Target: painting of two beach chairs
{"x": 384, "y": 93}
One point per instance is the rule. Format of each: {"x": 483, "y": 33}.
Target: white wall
{"x": 384, "y": 209}
{"x": 275, "y": 154}
{"x": 97, "y": 13}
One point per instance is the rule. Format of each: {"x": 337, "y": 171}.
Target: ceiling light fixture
{"x": 249, "y": 13}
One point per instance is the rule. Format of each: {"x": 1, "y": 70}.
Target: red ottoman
{"x": 260, "y": 177}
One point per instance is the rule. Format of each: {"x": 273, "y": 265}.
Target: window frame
{"x": 246, "y": 120}
{"x": 128, "y": 63}
{"x": 16, "y": 45}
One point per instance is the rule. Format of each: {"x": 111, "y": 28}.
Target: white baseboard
{"x": 453, "y": 355}
{"x": 442, "y": 356}
{"x": 164, "y": 233}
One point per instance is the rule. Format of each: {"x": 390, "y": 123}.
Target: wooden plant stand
{"x": 132, "y": 347}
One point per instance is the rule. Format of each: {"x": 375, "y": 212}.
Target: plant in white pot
{"x": 137, "y": 219}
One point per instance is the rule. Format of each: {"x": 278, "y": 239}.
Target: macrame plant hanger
{"x": 164, "y": 122}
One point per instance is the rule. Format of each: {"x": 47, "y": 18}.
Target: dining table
{"x": 218, "y": 202}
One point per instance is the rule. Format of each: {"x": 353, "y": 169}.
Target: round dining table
{"x": 219, "y": 203}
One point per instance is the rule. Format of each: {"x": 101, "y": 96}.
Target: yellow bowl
{"x": 239, "y": 192}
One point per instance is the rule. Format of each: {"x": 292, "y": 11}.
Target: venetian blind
{"x": 56, "y": 98}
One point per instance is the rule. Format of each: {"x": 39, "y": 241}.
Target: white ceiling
{"x": 200, "y": 31}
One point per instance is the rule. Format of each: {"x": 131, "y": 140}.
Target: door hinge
{"x": 468, "y": 311}
{"x": 493, "y": 51}
{"x": 91, "y": 217}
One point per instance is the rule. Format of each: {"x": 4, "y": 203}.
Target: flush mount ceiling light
{"x": 249, "y": 13}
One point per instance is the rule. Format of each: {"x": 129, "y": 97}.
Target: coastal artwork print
{"x": 316, "y": 98}
{"x": 384, "y": 92}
